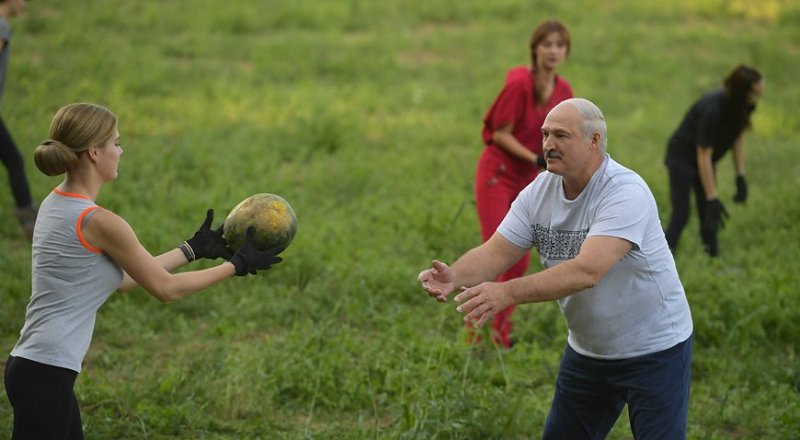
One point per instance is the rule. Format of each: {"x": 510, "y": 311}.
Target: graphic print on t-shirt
{"x": 557, "y": 245}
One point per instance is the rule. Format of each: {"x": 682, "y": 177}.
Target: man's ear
{"x": 596, "y": 138}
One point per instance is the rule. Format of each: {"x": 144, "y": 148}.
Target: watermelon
{"x": 270, "y": 214}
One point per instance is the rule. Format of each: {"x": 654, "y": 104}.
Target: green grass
{"x": 366, "y": 117}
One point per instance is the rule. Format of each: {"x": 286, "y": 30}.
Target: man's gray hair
{"x": 593, "y": 120}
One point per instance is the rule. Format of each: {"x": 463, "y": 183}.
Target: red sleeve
{"x": 508, "y": 106}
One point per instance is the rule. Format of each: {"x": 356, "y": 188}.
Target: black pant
{"x": 12, "y": 159}
{"x": 681, "y": 184}
{"x": 43, "y": 399}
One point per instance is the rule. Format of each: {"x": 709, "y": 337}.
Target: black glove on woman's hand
{"x": 741, "y": 190}
{"x": 248, "y": 259}
{"x": 716, "y": 214}
{"x": 207, "y": 242}
{"x": 541, "y": 161}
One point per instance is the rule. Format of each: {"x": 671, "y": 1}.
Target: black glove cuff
{"x": 187, "y": 250}
{"x": 239, "y": 265}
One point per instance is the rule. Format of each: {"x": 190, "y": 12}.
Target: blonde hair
{"x": 74, "y": 129}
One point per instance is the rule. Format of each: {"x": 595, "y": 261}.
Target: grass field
{"x": 366, "y": 116}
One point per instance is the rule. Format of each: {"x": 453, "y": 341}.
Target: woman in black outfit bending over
{"x": 712, "y": 126}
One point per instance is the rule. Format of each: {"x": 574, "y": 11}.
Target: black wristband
{"x": 187, "y": 250}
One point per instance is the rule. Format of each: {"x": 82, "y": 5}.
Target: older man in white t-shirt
{"x": 595, "y": 226}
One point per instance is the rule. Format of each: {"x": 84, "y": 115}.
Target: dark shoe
{"x": 27, "y": 218}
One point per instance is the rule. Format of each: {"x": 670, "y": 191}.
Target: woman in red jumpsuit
{"x": 512, "y": 137}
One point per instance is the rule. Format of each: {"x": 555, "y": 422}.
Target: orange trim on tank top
{"x": 68, "y": 194}
{"x": 80, "y": 231}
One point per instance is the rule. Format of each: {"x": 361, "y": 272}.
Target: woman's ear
{"x": 93, "y": 154}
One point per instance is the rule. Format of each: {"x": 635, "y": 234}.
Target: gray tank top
{"x": 70, "y": 280}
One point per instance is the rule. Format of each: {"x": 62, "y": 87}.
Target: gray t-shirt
{"x": 5, "y": 36}
{"x": 639, "y": 306}
{"x": 70, "y": 281}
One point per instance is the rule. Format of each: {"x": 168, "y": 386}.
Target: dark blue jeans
{"x": 590, "y": 394}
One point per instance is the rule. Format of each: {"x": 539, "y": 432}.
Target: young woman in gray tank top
{"x": 81, "y": 254}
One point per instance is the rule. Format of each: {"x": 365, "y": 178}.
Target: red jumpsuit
{"x": 500, "y": 176}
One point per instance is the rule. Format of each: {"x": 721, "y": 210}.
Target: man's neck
{"x": 574, "y": 185}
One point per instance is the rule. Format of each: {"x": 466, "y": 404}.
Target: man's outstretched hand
{"x": 482, "y": 302}
{"x": 437, "y": 281}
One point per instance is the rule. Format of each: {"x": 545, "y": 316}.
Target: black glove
{"x": 741, "y": 190}
{"x": 207, "y": 243}
{"x": 716, "y": 214}
{"x": 541, "y": 161}
{"x": 248, "y": 259}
